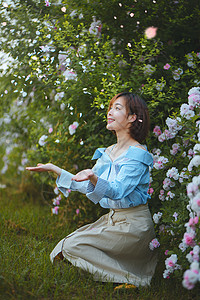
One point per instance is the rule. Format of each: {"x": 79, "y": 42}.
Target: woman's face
{"x": 117, "y": 117}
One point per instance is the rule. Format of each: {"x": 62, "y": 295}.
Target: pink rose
{"x": 188, "y": 238}
{"x": 47, "y": 3}
{"x": 157, "y": 131}
{"x": 193, "y": 222}
{"x": 162, "y": 192}
{"x": 166, "y": 67}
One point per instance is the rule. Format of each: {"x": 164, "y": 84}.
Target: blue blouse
{"x": 121, "y": 183}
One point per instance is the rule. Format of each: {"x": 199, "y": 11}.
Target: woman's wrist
{"x": 56, "y": 169}
{"x": 93, "y": 179}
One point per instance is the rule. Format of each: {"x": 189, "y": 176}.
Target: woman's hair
{"x": 139, "y": 129}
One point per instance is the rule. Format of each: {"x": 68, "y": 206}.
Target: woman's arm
{"x": 126, "y": 181}
{"x": 46, "y": 168}
{"x": 67, "y": 180}
{"x": 87, "y": 174}
{"x": 83, "y": 175}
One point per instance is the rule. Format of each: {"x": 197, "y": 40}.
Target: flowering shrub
{"x": 171, "y": 265}
{"x": 180, "y": 191}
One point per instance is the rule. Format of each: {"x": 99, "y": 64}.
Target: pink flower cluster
{"x": 183, "y": 175}
{"x": 191, "y": 276}
{"x": 154, "y": 244}
{"x": 47, "y": 3}
{"x": 175, "y": 148}
{"x": 150, "y": 190}
{"x": 56, "y": 201}
{"x": 188, "y": 238}
{"x": 73, "y": 127}
{"x": 173, "y": 128}
{"x": 195, "y": 162}
{"x": 167, "y": 184}
{"x": 54, "y": 210}
{"x": 159, "y": 162}
{"x": 195, "y": 205}
{"x": 173, "y": 173}
{"x": 193, "y": 187}
{"x": 171, "y": 265}
{"x": 193, "y": 255}
{"x": 69, "y": 74}
{"x": 193, "y": 222}
{"x": 186, "y": 111}
{"x": 95, "y": 27}
{"x": 162, "y": 195}
{"x": 194, "y": 97}
{"x": 193, "y": 192}
{"x": 170, "y": 196}
{"x": 157, "y": 131}
{"x": 156, "y": 217}
{"x": 190, "y": 153}
{"x": 177, "y": 74}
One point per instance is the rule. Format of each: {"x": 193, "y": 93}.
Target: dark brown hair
{"x": 135, "y": 105}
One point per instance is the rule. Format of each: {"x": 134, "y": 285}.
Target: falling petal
{"x": 151, "y": 32}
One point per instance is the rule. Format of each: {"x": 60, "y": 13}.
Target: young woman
{"x": 115, "y": 247}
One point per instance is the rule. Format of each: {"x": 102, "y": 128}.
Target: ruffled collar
{"x": 133, "y": 153}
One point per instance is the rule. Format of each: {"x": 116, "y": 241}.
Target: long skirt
{"x": 115, "y": 248}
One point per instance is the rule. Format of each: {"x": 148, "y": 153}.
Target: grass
{"x": 28, "y": 234}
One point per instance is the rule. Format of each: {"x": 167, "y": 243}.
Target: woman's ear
{"x": 132, "y": 118}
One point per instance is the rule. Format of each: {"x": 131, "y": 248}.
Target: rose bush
{"x": 177, "y": 220}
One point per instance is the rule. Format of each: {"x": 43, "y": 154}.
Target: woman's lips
{"x": 110, "y": 121}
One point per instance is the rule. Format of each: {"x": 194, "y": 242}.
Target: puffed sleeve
{"x": 65, "y": 182}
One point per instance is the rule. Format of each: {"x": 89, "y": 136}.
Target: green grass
{"x": 28, "y": 234}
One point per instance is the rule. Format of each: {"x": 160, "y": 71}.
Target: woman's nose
{"x": 110, "y": 112}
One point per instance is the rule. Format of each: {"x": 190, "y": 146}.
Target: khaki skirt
{"x": 114, "y": 248}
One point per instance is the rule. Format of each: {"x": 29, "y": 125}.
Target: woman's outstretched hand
{"x": 40, "y": 168}
{"x": 87, "y": 174}
{"x": 45, "y": 168}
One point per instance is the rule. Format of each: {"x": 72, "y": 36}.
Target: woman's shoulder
{"x": 141, "y": 154}
{"x": 139, "y": 146}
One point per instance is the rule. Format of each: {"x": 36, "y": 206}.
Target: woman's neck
{"x": 124, "y": 141}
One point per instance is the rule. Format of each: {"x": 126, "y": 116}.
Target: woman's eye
{"x": 117, "y": 108}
